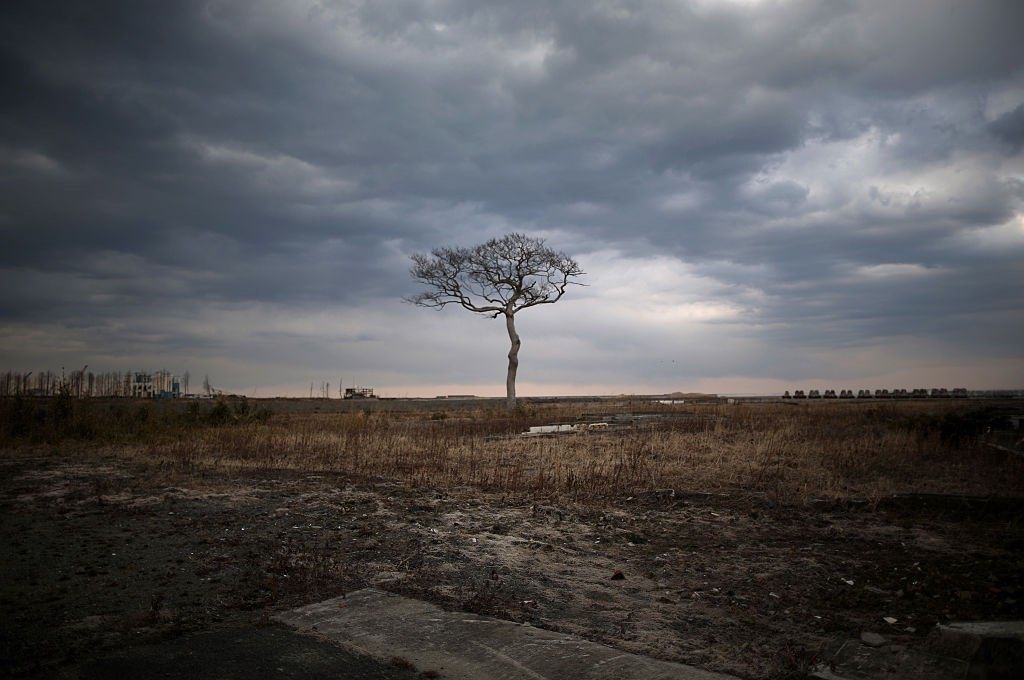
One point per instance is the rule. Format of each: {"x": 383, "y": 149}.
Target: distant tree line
{"x": 80, "y": 383}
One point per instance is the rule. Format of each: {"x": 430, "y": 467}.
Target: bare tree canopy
{"x": 501, "y": 276}
{"x": 498, "y": 278}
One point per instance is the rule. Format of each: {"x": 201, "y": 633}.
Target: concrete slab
{"x": 970, "y": 650}
{"x": 471, "y": 647}
{"x": 238, "y": 654}
{"x": 858, "y": 661}
{"x": 995, "y": 649}
{"x": 984, "y": 630}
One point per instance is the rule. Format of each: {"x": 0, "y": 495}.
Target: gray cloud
{"x": 839, "y": 175}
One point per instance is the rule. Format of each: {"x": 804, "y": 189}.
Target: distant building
{"x": 140, "y": 385}
{"x": 359, "y": 393}
{"x": 161, "y": 384}
{"x": 166, "y": 385}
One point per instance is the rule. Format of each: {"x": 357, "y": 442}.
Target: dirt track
{"x": 101, "y": 556}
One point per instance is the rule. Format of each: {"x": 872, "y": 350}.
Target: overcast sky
{"x": 764, "y": 195}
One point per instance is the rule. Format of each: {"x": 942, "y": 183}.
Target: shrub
{"x": 220, "y": 414}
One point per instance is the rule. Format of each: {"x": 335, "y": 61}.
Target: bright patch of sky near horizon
{"x": 765, "y": 195}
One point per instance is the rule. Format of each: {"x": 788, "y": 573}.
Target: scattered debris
{"x": 526, "y": 552}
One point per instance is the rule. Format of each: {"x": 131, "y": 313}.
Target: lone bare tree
{"x": 497, "y": 278}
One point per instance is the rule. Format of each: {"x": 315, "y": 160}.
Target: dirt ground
{"x": 100, "y": 556}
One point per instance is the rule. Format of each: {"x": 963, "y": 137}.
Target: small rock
{"x": 618, "y": 576}
{"x": 872, "y": 639}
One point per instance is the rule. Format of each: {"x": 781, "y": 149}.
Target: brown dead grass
{"x": 789, "y": 453}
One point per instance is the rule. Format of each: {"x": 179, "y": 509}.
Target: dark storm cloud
{"x": 843, "y": 171}
{"x": 1009, "y": 128}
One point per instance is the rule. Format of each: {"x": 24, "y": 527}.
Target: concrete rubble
{"x": 614, "y": 421}
{"x": 538, "y": 430}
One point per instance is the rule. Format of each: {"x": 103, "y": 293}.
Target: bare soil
{"x": 103, "y": 554}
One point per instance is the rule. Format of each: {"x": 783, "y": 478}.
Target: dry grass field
{"x": 789, "y": 452}
{"x": 750, "y": 536}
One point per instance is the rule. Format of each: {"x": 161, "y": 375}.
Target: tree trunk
{"x": 513, "y": 362}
